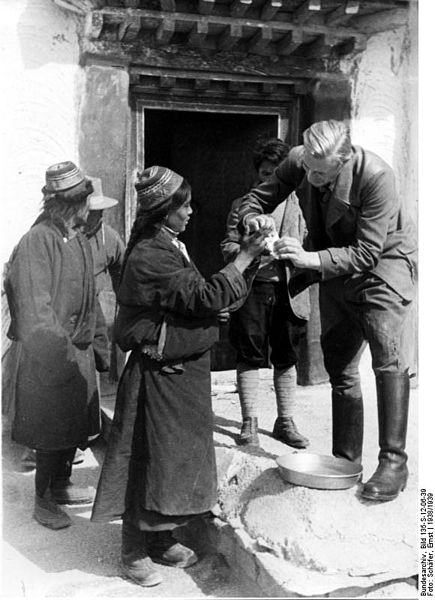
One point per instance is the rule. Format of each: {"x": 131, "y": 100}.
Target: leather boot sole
{"x": 379, "y": 497}
{"x": 293, "y": 443}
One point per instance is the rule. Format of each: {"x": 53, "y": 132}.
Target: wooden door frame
{"x": 288, "y": 123}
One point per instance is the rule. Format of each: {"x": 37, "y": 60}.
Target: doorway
{"x": 214, "y": 152}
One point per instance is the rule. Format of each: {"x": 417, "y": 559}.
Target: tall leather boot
{"x": 347, "y": 425}
{"x": 391, "y": 476}
{"x": 135, "y": 562}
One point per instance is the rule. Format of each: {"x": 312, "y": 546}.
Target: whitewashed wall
{"x": 384, "y": 104}
{"x": 39, "y": 100}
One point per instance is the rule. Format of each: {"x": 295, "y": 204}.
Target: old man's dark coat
{"x": 161, "y": 441}
{"x": 51, "y": 296}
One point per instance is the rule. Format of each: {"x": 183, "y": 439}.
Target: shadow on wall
{"x": 47, "y": 34}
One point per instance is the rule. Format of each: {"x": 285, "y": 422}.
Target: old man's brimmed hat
{"x": 97, "y": 200}
{"x": 155, "y": 186}
{"x": 67, "y": 178}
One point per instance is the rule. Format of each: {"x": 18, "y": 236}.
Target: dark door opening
{"x": 214, "y": 152}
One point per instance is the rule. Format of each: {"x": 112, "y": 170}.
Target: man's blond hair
{"x": 328, "y": 139}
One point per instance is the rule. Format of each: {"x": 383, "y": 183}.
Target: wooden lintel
{"x": 239, "y": 7}
{"x": 268, "y": 88}
{"x": 167, "y": 81}
{"x": 93, "y": 25}
{"x": 278, "y": 26}
{"x": 169, "y": 5}
{"x": 260, "y": 40}
{"x": 128, "y": 30}
{"x": 381, "y": 21}
{"x": 230, "y": 36}
{"x": 198, "y": 33}
{"x": 290, "y": 42}
{"x": 305, "y": 10}
{"x": 206, "y": 6}
{"x": 165, "y": 31}
{"x": 270, "y": 8}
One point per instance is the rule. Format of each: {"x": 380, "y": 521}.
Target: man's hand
{"x": 261, "y": 223}
{"x": 288, "y": 248}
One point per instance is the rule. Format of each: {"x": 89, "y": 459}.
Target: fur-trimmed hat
{"x": 155, "y": 186}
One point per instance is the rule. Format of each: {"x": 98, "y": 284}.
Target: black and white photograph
{"x": 216, "y": 299}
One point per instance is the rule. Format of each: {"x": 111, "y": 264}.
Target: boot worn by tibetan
{"x": 135, "y": 562}
{"x": 163, "y": 548}
{"x": 249, "y": 432}
{"x": 286, "y": 431}
{"x": 391, "y": 475}
{"x": 49, "y": 514}
{"x": 64, "y": 491}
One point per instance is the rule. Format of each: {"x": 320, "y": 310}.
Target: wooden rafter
{"x": 239, "y": 7}
{"x": 269, "y": 9}
{"x": 206, "y": 6}
{"x": 344, "y": 12}
{"x": 321, "y": 46}
{"x": 305, "y": 10}
{"x": 165, "y": 31}
{"x": 382, "y": 21}
{"x": 191, "y": 18}
{"x": 288, "y": 44}
{"x": 93, "y": 25}
{"x": 229, "y": 37}
{"x": 129, "y": 29}
{"x": 198, "y": 33}
{"x": 260, "y": 40}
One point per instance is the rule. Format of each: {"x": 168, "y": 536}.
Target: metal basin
{"x": 318, "y": 471}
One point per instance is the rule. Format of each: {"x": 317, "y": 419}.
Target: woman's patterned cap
{"x": 156, "y": 185}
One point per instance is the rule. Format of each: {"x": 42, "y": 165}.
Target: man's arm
{"x": 266, "y": 197}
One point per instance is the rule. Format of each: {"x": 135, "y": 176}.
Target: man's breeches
{"x": 355, "y": 311}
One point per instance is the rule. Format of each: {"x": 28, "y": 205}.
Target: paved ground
{"x": 82, "y": 561}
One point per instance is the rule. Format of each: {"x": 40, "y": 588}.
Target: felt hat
{"x": 155, "y": 186}
{"x": 62, "y": 176}
{"x": 97, "y": 200}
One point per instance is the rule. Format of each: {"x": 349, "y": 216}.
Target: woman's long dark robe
{"x": 160, "y": 455}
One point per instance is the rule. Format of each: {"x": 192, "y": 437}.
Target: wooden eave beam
{"x": 198, "y": 33}
{"x": 351, "y": 47}
{"x": 165, "y": 31}
{"x": 381, "y": 21}
{"x": 206, "y": 7}
{"x": 269, "y": 9}
{"x": 239, "y": 7}
{"x": 202, "y": 84}
{"x": 305, "y": 10}
{"x": 278, "y": 26}
{"x": 229, "y": 37}
{"x": 289, "y": 43}
{"x": 260, "y": 40}
{"x": 268, "y": 88}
